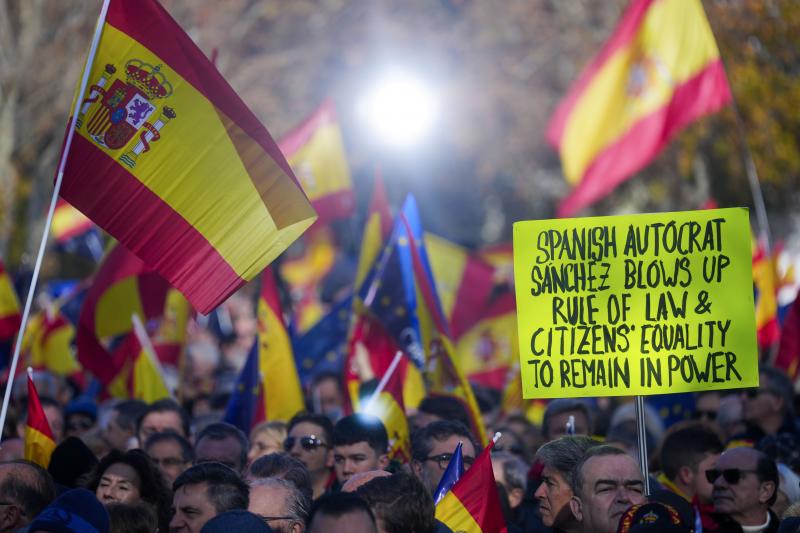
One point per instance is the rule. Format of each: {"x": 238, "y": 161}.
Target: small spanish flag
{"x": 473, "y": 504}
{"x": 39, "y": 441}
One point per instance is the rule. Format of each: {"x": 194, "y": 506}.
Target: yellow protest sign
{"x": 635, "y": 305}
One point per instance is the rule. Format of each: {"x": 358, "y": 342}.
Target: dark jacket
{"x": 725, "y": 524}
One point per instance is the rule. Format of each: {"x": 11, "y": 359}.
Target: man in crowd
{"x": 341, "y": 512}
{"x": 400, "y": 503}
{"x": 309, "y": 440}
{"x": 512, "y": 473}
{"x": 433, "y": 446}
{"x": 121, "y": 427}
{"x": 360, "y": 444}
{"x": 280, "y": 504}
{"x": 768, "y": 409}
{"x": 440, "y": 407}
{"x": 25, "y": 489}
{"x": 160, "y": 416}
{"x": 203, "y": 492}
{"x": 687, "y": 453}
{"x": 559, "y": 459}
{"x": 557, "y": 416}
{"x": 327, "y": 395}
{"x": 605, "y": 483}
{"x": 282, "y": 466}
{"x": 222, "y": 443}
{"x": 171, "y": 453}
{"x": 745, "y": 484}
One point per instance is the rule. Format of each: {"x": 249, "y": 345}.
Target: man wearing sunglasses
{"x": 768, "y": 409}
{"x": 433, "y": 446}
{"x": 745, "y": 487}
{"x": 360, "y": 444}
{"x": 309, "y": 440}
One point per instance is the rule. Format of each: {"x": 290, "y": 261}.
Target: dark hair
{"x": 421, "y": 440}
{"x": 361, "y": 427}
{"x": 318, "y": 420}
{"x": 402, "y": 503}
{"x": 131, "y": 518}
{"x": 603, "y": 450}
{"x": 225, "y": 489}
{"x": 187, "y": 452}
{"x": 338, "y": 504}
{"x": 781, "y": 385}
{"x": 152, "y": 487}
{"x": 563, "y": 454}
{"x": 222, "y": 431}
{"x": 283, "y": 466}
{"x": 322, "y": 376}
{"x": 32, "y": 492}
{"x": 687, "y": 446}
{"x": 446, "y": 408}
{"x": 166, "y": 405}
{"x": 128, "y": 413}
{"x": 564, "y": 405}
{"x": 767, "y": 470}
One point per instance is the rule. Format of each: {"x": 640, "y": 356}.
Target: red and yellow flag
{"x": 473, "y": 504}
{"x": 10, "y": 317}
{"x": 765, "y": 279}
{"x": 39, "y": 441}
{"x": 140, "y": 376}
{"x": 283, "y": 396}
{"x": 315, "y": 151}
{"x": 659, "y": 71}
{"x": 389, "y": 406}
{"x": 48, "y": 342}
{"x": 170, "y": 161}
{"x": 68, "y": 222}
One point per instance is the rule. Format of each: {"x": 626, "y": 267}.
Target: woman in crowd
{"x": 266, "y": 438}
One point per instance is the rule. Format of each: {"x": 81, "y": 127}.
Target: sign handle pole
{"x": 642, "y": 442}
{"x": 35, "y": 278}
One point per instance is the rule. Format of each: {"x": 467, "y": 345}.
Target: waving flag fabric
{"x": 39, "y": 441}
{"x": 473, "y": 505}
{"x": 389, "y": 406}
{"x": 453, "y": 472}
{"x": 315, "y": 151}
{"x": 246, "y": 405}
{"x": 659, "y": 71}
{"x": 168, "y": 160}
{"x": 10, "y": 317}
{"x": 48, "y": 342}
{"x": 323, "y": 347}
{"x": 766, "y": 292}
{"x": 68, "y": 222}
{"x": 140, "y": 376}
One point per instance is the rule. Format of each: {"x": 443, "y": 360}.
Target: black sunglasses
{"x": 308, "y": 443}
{"x": 732, "y": 476}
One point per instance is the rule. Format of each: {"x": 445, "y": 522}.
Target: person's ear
{"x": 685, "y": 475}
{"x": 10, "y": 517}
{"x": 383, "y": 461}
{"x": 766, "y": 490}
{"x": 329, "y": 458}
{"x": 515, "y": 497}
{"x": 577, "y": 508}
{"x": 416, "y": 468}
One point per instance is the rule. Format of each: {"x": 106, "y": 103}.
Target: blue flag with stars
{"x": 322, "y": 348}
{"x": 241, "y": 409}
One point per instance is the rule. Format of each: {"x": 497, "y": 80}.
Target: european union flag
{"x": 243, "y": 405}
{"x": 322, "y": 348}
{"x": 453, "y": 472}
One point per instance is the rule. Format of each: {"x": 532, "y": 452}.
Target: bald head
{"x": 27, "y": 488}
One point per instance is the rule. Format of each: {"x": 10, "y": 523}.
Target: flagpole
{"x": 642, "y": 435}
{"x": 384, "y": 380}
{"x": 98, "y": 32}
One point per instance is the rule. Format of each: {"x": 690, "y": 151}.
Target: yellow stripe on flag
{"x": 148, "y": 384}
{"x": 448, "y": 261}
{"x": 38, "y": 447}
{"x": 283, "y": 396}
{"x": 608, "y": 107}
{"x": 320, "y": 164}
{"x": 115, "y": 307}
{"x": 454, "y": 515}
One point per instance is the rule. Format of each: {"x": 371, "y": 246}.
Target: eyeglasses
{"x": 514, "y": 448}
{"x": 704, "y": 413}
{"x": 308, "y": 443}
{"x": 268, "y": 519}
{"x": 732, "y": 476}
{"x": 444, "y": 459}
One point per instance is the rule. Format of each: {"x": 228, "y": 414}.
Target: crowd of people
{"x": 126, "y": 466}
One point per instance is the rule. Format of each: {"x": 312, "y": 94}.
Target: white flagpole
{"x": 98, "y": 31}
{"x": 147, "y": 345}
{"x": 382, "y": 383}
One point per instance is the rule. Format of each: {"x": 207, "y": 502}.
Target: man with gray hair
{"x": 280, "y": 504}
{"x": 559, "y": 458}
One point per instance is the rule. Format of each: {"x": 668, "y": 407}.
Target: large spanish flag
{"x": 473, "y": 504}
{"x": 315, "y": 150}
{"x": 169, "y": 160}
{"x": 659, "y": 71}
{"x": 39, "y": 441}
{"x": 10, "y": 317}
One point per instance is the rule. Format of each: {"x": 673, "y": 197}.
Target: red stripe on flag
{"x": 9, "y": 325}
{"x": 335, "y": 205}
{"x": 702, "y": 94}
{"x": 36, "y": 416}
{"x": 107, "y": 194}
{"x": 627, "y": 29}
{"x": 477, "y": 283}
{"x": 147, "y": 22}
